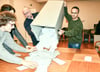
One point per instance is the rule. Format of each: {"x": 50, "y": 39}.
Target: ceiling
{"x": 64, "y": 0}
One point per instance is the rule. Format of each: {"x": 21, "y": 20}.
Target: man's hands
{"x": 30, "y": 48}
{"x": 29, "y": 64}
{"x": 61, "y": 32}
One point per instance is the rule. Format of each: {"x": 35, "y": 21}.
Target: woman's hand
{"x": 31, "y": 49}
{"x": 29, "y": 64}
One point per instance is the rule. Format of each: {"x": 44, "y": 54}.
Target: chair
{"x": 92, "y": 32}
{"x": 86, "y": 35}
{"x": 97, "y": 46}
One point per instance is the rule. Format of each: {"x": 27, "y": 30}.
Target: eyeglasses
{"x": 12, "y": 23}
{"x": 74, "y": 12}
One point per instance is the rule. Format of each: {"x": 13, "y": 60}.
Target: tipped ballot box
{"x": 50, "y": 16}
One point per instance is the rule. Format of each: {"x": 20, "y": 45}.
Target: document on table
{"x": 59, "y": 61}
{"x": 88, "y": 58}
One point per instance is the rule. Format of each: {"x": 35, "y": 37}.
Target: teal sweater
{"x": 4, "y": 54}
{"x": 75, "y": 28}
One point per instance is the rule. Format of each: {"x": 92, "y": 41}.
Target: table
{"x": 74, "y": 62}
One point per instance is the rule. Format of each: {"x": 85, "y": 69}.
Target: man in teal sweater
{"x": 75, "y": 28}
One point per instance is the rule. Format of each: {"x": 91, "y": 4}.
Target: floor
{"x": 64, "y": 43}
{"x": 74, "y": 60}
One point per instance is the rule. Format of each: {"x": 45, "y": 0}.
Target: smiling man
{"x": 75, "y": 28}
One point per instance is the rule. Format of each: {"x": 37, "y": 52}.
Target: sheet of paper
{"x": 21, "y": 68}
{"x": 88, "y": 58}
{"x": 59, "y": 61}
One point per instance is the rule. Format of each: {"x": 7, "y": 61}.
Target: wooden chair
{"x": 97, "y": 46}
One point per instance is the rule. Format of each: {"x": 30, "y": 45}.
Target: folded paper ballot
{"x": 88, "y": 58}
{"x": 43, "y": 58}
{"x": 59, "y": 61}
{"x": 21, "y": 68}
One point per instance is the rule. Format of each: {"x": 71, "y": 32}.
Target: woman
{"x": 7, "y": 21}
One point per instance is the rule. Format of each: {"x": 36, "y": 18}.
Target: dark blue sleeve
{"x": 35, "y": 14}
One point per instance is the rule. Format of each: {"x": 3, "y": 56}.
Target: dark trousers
{"x": 34, "y": 40}
{"x": 74, "y": 45}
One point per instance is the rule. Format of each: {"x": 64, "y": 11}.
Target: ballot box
{"x": 51, "y": 17}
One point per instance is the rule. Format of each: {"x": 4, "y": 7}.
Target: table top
{"x": 74, "y": 58}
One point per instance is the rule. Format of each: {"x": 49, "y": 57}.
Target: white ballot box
{"x": 50, "y": 16}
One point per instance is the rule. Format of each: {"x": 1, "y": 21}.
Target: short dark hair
{"x": 6, "y": 16}
{"x": 76, "y": 8}
{"x": 7, "y": 7}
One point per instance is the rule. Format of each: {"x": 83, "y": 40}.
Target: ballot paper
{"x": 59, "y": 61}
{"x": 43, "y": 58}
{"x": 21, "y": 68}
{"x": 88, "y": 58}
